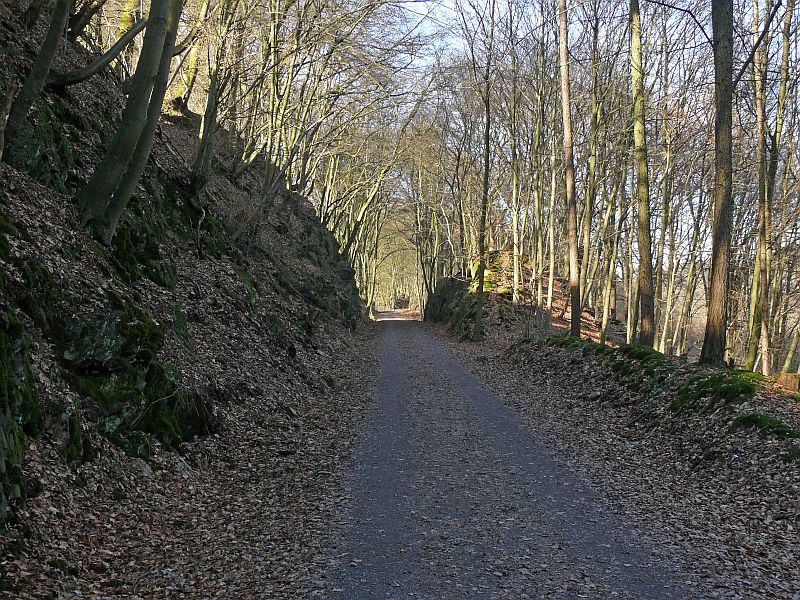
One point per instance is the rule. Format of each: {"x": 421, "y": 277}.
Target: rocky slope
{"x": 141, "y": 383}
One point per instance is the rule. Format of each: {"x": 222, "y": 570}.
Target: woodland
{"x": 211, "y": 210}
{"x": 642, "y": 156}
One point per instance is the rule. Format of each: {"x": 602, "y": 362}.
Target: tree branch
{"x": 55, "y": 80}
{"x": 757, "y": 44}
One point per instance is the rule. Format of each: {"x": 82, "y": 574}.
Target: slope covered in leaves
{"x": 708, "y": 457}
{"x": 173, "y": 338}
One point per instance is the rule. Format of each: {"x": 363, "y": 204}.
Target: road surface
{"x": 454, "y": 498}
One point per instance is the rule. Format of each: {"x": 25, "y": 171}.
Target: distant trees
{"x": 638, "y": 172}
{"x": 497, "y": 132}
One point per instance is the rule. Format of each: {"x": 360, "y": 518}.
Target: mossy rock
{"x": 117, "y": 336}
{"x": 112, "y": 356}
{"x": 766, "y": 424}
{"x": 146, "y": 400}
{"x": 41, "y": 296}
{"x": 136, "y": 250}
{"x": 78, "y": 448}
{"x": 6, "y": 230}
{"x": 705, "y": 391}
{"x": 447, "y": 303}
{"x": 44, "y": 148}
{"x": 20, "y": 412}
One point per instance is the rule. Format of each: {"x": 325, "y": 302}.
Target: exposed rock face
{"x": 791, "y": 381}
{"x": 140, "y": 342}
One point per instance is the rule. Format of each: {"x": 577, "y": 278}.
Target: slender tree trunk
{"x": 714, "y": 341}
{"x": 34, "y": 82}
{"x": 551, "y": 221}
{"x": 647, "y": 309}
{"x": 181, "y": 99}
{"x": 787, "y": 364}
{"x": 569, "y": 167}
{"x": 78, "y": 75}
{"x": 107, "y": 176}
{"x": 591, "y": 188}
{"x": 759, "y": 330}
{"x": 477, "y": 331}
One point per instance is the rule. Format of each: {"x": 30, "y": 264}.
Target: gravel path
{"x": 454, "y": 498}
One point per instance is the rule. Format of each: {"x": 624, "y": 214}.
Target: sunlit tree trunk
{"x": 569, "y": 169}
{"x": 714, "y": 341}
{"x": 107, "y": 176}
{"x": 647, "y": 331}
{"x": 138, "y": 162}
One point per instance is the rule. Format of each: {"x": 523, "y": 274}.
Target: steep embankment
{"x": 167, "y": 400}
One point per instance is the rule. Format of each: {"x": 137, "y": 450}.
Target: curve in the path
{"x": 455, "y": 498}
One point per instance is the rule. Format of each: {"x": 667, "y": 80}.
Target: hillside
{"x": 143, "y": 381}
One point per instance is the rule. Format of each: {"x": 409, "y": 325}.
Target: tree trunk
{"x": 714, "y": 341}
{"x": 647, "y": 309}
{"x": 60, "y": 81}
{"x": 787, "y": 364}
{"x": 569, "y": 168}
{"x": 106, "y": 178}
{"x": 134, "y": 173}
{"x": 477, "y": 330}
{"x": 181, "y": 99}
{"x": 35, "y": 80}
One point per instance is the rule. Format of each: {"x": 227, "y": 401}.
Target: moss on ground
{"x": 181, "y": 327}
{"x": 766, "y": 424}
{"x": 792, "y": 455}
{"x": 706, "y": 391}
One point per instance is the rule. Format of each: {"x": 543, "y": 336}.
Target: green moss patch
{"x": 792, "y": 456}
{"x": 112, "y": 356}
{"x": 766, "y": 424}
{"x": 181, "y": 327}
{"x": 705, "y": 391}
{"x": 136, "y": 250}
{"x": 6, "y": 230}
{"x": 41, "y": 296}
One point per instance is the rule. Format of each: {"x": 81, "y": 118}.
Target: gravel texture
{"x": 454, "y": 497}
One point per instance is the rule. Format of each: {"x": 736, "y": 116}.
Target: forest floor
{"x": 245, "y": 513}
